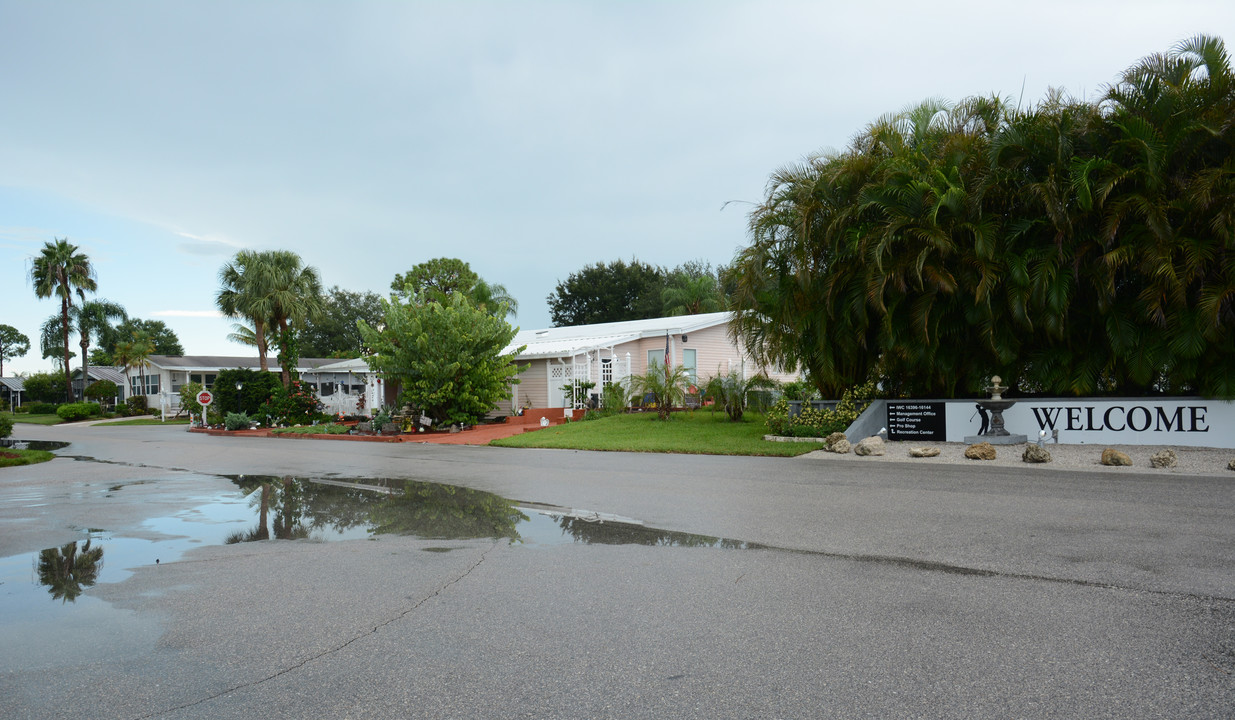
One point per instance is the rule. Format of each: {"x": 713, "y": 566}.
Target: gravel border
{"x": 1191, "y": 460}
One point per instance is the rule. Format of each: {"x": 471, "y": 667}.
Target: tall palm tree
{"x": 295, "y": 296}
{"x": 58, "y": 270}
{"x": 92, "y": 319}
{"x": 246, "y": 288}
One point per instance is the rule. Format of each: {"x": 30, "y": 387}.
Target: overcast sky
{"x": 527, "y": 138}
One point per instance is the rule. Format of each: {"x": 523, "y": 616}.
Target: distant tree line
{"x": 1072, "y": 247}
{"x": 618, "y": 291}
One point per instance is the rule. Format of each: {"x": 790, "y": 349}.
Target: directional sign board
{"x": 205, "y": 397}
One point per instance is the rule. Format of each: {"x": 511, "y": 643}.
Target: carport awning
{"x": 15, "y": 384}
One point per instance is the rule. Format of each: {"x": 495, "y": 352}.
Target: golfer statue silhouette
{"x": 986, "y": 420}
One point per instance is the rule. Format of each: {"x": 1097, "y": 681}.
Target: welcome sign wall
{"x": 1195, "y": 422}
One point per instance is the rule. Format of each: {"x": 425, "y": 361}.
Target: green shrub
{"x": 136, "y": 405}
{"x": 102, "y": 390}
{"x": 820, "y": 423}
{"x": 297, "y": 405}
{"x": 77, "y": 411}
{"x": 6, "y": 425}
{"x": 44, "y": 387}
{"x": 41, "y": 408}
{"x": 237, "y": 421}
{"x": 256, "y": 387}
{"x": 798, "y": 390}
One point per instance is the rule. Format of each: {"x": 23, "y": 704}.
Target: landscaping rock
{"x": 872, "y": 445}
{"x": 1111, "y": 456}
{"x": 843, "y": 446}
{"x": 1164, "y": 458}
{"x": 1035, "y": 454}
{"x": 364, "y": 427}
{"x": 834, "y": 438}
{"x": 1230, "y": 465}
{"x": 980, "y": 451}
{"x": 923, "y": 452}
{"x": 391, "y": 428}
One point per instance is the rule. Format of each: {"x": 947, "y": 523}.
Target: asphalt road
{"x": 889, "y": 591}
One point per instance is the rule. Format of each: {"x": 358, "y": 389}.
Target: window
{"x": 152, "y": 384}
{"x": 689, "y": 362}
{"x": 656, "y": 358}
{"x": 206, "y": 380}
{"x": 606, "y": 372}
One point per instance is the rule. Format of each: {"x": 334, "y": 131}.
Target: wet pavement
{"x": 420, "y": 581}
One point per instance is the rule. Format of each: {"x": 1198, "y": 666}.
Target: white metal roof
{"x": 563, "y": 341}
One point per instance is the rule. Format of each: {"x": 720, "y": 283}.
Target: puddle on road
{"x": 46, "y": 595}
{"x": 264, "y": 508}
{"x": 48, "y": 445}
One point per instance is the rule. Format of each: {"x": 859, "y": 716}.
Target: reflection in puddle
{"x": 67, "y": 570}
{"x": 290, "y": 508}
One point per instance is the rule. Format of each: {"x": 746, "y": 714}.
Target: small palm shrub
{"x": 734, "y": 392}
{"x": 667, "y": 386}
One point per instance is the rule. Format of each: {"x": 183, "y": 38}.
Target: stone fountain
{"x": 996, "y": 434}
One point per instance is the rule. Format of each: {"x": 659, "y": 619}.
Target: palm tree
{"x": 134, "y": 354}
{"x": 665, "y": 383}
{"x": 58, "y": 270}
{"x": 93, "y": 319}
{"x": 295, "y": 296}
{"x": 493, "y": 297}
{"x": 732, "y": 391}
{"x": 276, "y": 292}
{"x": 687, "y": 295}
{"x": 246, "y": 282}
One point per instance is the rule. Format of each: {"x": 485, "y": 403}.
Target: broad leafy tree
{"x": 13, "y": 344}
{"x": 449, "y": 357}
{"x": 335, "y": 332}
{"x": 165, "y": 340}
{"x": 608, "y": 292}
{"x": 436, "y": 279}
{"x": 60, "y": 270}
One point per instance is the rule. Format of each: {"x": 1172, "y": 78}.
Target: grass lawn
{"x": 50, "y": 419}
{"x": 146, "y": 421}
{"x": 10, "y": 457}
{"x": 699, "y": 432}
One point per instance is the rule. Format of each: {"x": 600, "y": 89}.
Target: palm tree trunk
{"x": 259, "y": 331}
{"x": 64, "y": 316}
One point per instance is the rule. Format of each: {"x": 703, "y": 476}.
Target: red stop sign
{"x": 205, "y": 397}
